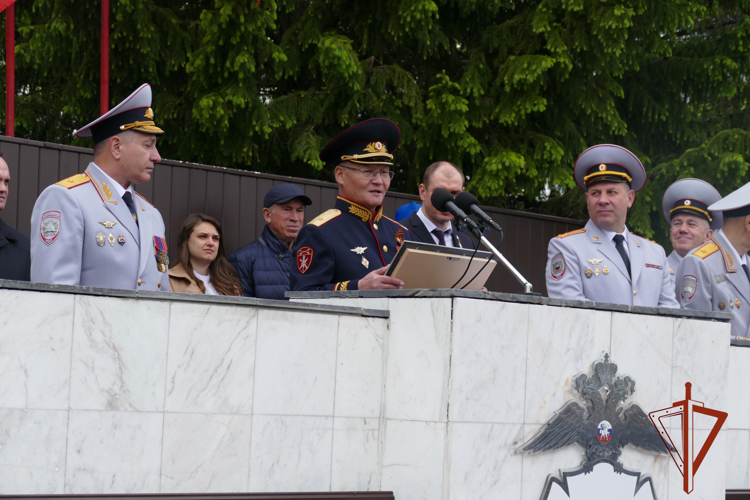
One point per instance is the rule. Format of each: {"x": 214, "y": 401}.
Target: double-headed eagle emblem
{"x": 604, "y": 425}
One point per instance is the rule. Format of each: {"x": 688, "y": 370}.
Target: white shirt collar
{"x": 118, "y": 187}
{"x": 732, "y": 250}
{"x": 611, "y": 234}
{"x": 429, "y": 224}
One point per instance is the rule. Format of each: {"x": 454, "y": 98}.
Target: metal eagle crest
{"x": 604, "y": 425}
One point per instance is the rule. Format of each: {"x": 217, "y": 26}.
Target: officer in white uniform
{"x": 604, "y": 261}
{"x": 715, "y": 276}
{"x": 685, "y": 206}
{"x": 93, "y": 229}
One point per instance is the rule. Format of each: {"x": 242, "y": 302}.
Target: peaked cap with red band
{"x": 370, "y": 142}
{"x": 609, "y": 163}
{"x": 134, "y": 113}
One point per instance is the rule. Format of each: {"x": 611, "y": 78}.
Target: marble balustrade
{"x": 428, "y": 396}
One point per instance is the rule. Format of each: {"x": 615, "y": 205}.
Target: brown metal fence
{"x": 235, "y": 197}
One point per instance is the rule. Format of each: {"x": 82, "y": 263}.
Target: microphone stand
{"x": 527, "y": 287}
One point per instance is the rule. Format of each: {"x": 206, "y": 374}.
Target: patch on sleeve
{"x": 304, "y": 259}
{"x": 558, "y": 266}
{"x": 688, "y": 287}
{"x": 49, "y": 228}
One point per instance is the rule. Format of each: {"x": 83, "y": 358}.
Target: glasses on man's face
{"x": 385, "y": 175}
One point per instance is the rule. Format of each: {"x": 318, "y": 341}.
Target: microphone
{"x": 469, "y": 203}
{"x": 443, "y": 200}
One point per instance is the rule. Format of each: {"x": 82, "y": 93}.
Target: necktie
{"x": 744, "y": 266}
{"x": 621, "y": 250}
{"x": 440, "y": 236}
{"x": 128, "y": 199}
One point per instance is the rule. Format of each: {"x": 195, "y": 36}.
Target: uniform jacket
{"x": 710, "y": 279}
{"x": 673, "y": 262}
{"x": 585, "y": 265}
{"x": 84, "y": 234}
{"x": 180, "y": 281}
{"x": 15, "y": 254}
{"x": 419, "y": 232}
{"x": 341, "y": 246}
{"x": 263, "y": 267}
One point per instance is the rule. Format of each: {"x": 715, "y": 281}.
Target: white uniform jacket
{"x": 84, "y": 234}
{"x": 710, "y": 278}
{"x": 585, "y": 265}
{"x": 673, "y": 261}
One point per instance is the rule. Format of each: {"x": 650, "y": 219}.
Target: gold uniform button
{"x": 635, "y": 292}
{"x": 139, "y": 282}
{"x": 159, "y": 284}
{"x": 375, "y": 226}
{"x": 385, "y": 248}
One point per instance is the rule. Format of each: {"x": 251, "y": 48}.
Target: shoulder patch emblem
{"x": 571, "y": 233}
{"x": 706, "y": 250}
{"x": 326, "y": 216}
{"x": 688, "y": 287}
{"x": 558, "y": 266}
{"x": 74, "y": 181}
{"x": 49, "y": 228}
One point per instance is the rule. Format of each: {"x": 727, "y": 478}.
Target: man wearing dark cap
{"x": 685, "y": 206}
{"x": 348, "y": 247}
{"x": 264, "y": 265}
{"x": 604, "y": 261}
{"x": 715, "y": 276}
{"x": 93, "y": 229}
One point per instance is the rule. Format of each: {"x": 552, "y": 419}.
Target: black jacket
{"x": 420, "y": 233}
{"x": 263, "y": 266}
{"x": 15, "y": 254}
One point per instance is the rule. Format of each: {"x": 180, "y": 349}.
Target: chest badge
{"x": 359, "y": 250}
{"x": 108, "y": 224}
{"x": 365, "y": 262}
{"x": 160, "y": 252}
{"x": 121, "y": 240}
{"x": 399, "y": 237}
{"x": 100, "y": 239}
{"x": 111, "y": 240}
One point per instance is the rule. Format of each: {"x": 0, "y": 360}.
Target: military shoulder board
{"x": 571, "y": 233}
{"x": 325, "y": 217}
{"x": 706, "y": 250}
{"x": 74, "y": 181}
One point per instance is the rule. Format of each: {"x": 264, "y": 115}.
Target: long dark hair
{"x": 223, "y": 276}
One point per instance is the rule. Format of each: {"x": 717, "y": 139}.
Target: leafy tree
{"x": 510, "y": 91}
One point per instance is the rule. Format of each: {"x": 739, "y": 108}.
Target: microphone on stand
{"x": 443, "y": 200}
{"x": 469, "y": 203}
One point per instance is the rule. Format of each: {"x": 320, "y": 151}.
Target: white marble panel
{"x": 537, "y": 467}
{"x": 642, "y": 349}
{"x": 113, "y": 452}
{"x": 738, "y": 466}
{"x": 211, "y": 358}
{"x": 359, "y": 370}
{"x": 291, "y": 453}
{"x": 36, "y": 331}
{"x": 484, "y": 463}
{"x": 563, "y": 343}
{"x": 488, "y": 372}
{"x": 364, "y": 302}
{"x": 656, "y": 466}
{"x": 709, "y": 482}
{"x": 32, "y": 451}
{"x": 205, "y": 453}
{"x": 356, "y": 454}
{"x": 413, "y": 459}
{"x": 738, "y": 390}
{"x": 295, "y": 363}
{"x": 119, "y": 354}
{"x": 701, "y": 357}
{"x": 418, "y": 358}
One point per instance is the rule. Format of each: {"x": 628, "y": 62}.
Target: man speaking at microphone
{"x": 604, "y": 261}
{"x": 430, "y": 225}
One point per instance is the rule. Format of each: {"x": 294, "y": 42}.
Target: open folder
{"x": 422, "y": 265}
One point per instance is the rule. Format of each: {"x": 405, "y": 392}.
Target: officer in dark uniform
{"x": 348, "y": 247}
{"x": 15, "y": 248}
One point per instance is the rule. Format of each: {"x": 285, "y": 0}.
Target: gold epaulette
{"x": 395, "y": 222}
{"x": 76, "y": 180}
{"x": 143, "y": 198}
{"x": 706, "y": 250}
{"x": 643, "y": 238}
{"x": 325, "y": 217}
{"x": 571, "y": 233}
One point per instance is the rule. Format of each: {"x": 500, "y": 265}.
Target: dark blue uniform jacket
{"x": 263, "y": 266}
{"x": 15, "y": 254}
{"x": 341, "y": 246}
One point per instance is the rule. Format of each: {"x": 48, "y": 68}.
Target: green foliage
{"x": 510, "y": 91}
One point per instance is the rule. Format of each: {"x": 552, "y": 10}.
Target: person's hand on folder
{"x": 377, "y": 280}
